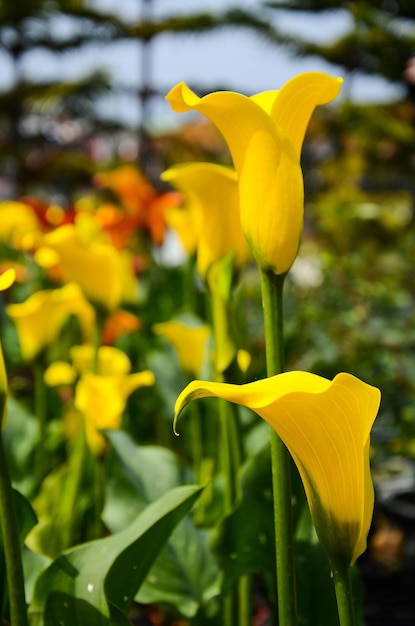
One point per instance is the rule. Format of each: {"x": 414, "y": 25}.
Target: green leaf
{"x": 96, "y": 582}
{"x": 20, "y": 437}
{"x": 185, "y": 574}
{"x": 26, "y": 520}
{"x": 138, "y": 476}
{"x": 245, "y": 540}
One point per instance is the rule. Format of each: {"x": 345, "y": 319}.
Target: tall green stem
{"x": 11, "y": 546}
{"x": 222, "y": 348}
{"x": 40, "y": 410}
{"x": 344, "y": 596}
{"x": 272, "y": 299}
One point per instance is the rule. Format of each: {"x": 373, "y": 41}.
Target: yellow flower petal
{"x": 111, "y": 360}
{"x": 189, "y": 342}
{"x": 297, "y": 100}
{"x": 104, "y": 274}
{"x": 326, "y": 427}
{"x": 3, "y": 390}
{"x": 211, "y": 192}
{"x": 16, "y": 221}
{"x": 40, "y": 318}
{"x": 102, "y": 400}
{"x": 59, "y": 373}
{"x": 7, "y": 279}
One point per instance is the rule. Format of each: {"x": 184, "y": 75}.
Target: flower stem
{"x": 11, "y": 546}
{"x": 40, "y": 410}
{"x": 344, "y": 596}
{"x": 272, "y": 300}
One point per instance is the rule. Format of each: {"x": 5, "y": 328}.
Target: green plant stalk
{"x": 220, "y": 328}
{"x": 196, "y": 440}
{"x": 11, "y": 546}
{"x": 72, "y": 490}
{"x": 344, "y": 596}
{"x": 272, "y": 286}
{"x": 40, "y": 410}
{"x": 245, "y": 597}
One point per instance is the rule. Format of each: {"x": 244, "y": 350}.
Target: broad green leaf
{"x": 185, "y": 574}
{"x": 25, "y": 519}
{"x": 245, "y": 540}
{"x": 138, "y": 475}
{"x": 20, "y": 437}
{"x": 95, "y": 583}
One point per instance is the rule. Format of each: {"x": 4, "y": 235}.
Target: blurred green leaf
{"x": 185, "y": 574}
{"x": 95, "y": 583}
{"x": 20, "y": 438}
{"x": 25, "y": 519}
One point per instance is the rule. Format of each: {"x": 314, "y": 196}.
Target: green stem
{"x": 76, "y": 472}
{"x": 272, "y": 298}
{"x": 344, "y": 596}
{"x": 245, "y": 597}
{"x": 222, "y": 349}
{"x": 196, "y": 439}
{"x": 11, "y": 546}
{"x": 40, "y": 410}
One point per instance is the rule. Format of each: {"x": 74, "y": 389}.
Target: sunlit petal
{"x": 189, "y": 342}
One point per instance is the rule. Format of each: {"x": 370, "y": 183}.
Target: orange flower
{"x": 119, "y": 323}
{"x": 143, "y": 205}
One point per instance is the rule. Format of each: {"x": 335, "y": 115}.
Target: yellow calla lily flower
{"x": 59, "y": 374}
{"x": 40, "y": 318}
{"x": 182, "y": 221}
{"x": 212, "y": 199}
{"x": 189, "y": 342}
{"x": 102, "y": 400}
{"x": 6, "y": 280}
{"x": 111, "y": 361}
{"x": 104, "y": 273}
{"x": 265, "y": 135}
{"x": 16, "y": 221}
{"x": 326, "y": 428}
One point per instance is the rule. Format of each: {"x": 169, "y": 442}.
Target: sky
{"x": 234, "y": 58}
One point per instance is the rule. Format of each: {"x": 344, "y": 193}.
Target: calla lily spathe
{"x": 40, "y": 318}
{"x": 326, "y": 428}
{"x": 102, "y": 400}
{"x": 104, "y": 273}
{"x": 211, "y": 199}
{"x": 189, "y": 342}
{"x": 6, "y": 280}
{"x": 265, "y": 135}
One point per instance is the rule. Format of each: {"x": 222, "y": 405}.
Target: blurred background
{"x": 83, "y": 81}
{"x": 82, "y": 86}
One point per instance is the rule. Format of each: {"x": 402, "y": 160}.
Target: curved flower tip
{"x": 326, "y": 428}
{"x": 7, "y": 279}
{"x": 180, "y": 98}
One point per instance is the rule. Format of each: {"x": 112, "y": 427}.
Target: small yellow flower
{"x": 111, "y": 361}
{"x": 326, "y": 428}
{"x": 265, "y": 135}
{"x": 59, "y": 373}
{"x": 40, "y": 318}
{"x": 17, "y": 220}
{"x": 102, "y": 400}
{"x": 104, "y": 273}
{"x": 189, "y": 342}
{"x": 211, "y": 193}
{"x": 6, "y": 280}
